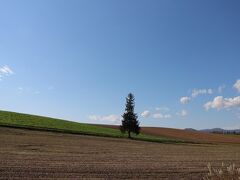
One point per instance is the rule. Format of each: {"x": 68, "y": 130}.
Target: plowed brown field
{"x": 194, "y": 136}
{"x": 26, "y": 154}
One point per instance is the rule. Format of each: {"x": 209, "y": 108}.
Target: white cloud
{"x": 197, "y": 92}
{"x": 220, "y": 102}
{"x": 183, "y": 113}
{"x": 221, "y": 88}
{"x": 185, "y": 100}
{"x": 5, "y": 71}
{"x": 161, "y": 116}
{"x": 237, "y": 85}
{"x": 160, "y": 113}
{"x": 112, "y": 119}
{"x": 146, "y": 114}
{"x": 165, "y": 109}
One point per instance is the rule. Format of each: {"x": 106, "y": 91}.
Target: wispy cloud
{"x": 164, "y": 109}
{"x": 237, "y": 85}
{"x": 112, "y": 119}
{"x": 157, "y": 113}
{"x": 161, "y": 116}
{"x": 221, "y": 88}
{"x": 197, "y": 92}
{"x": 182, "y": 113}
{"x": 27, "y": 90}
{"x": 5, "y": 71}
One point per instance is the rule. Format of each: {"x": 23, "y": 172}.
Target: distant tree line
{"x": 235, "y": 132}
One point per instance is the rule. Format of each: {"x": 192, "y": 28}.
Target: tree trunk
{"x": 129, "y": 134}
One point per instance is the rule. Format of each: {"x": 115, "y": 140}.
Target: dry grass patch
{"x": 225, "y": 172}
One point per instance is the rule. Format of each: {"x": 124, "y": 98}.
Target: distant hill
{"x": 191, "y": 129}
{"x": 216, "y": 131}
{"x": 221, "y": 131}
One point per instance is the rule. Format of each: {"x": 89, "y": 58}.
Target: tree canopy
{"x": 130, "y": 121}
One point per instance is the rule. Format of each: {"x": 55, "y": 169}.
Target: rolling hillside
{"x": 19, "y": 120}
{"x": 155, "y": 134}
{"x": 26, "y": 121}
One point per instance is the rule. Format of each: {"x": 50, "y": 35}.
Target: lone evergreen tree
{"x": 130, "y": 122}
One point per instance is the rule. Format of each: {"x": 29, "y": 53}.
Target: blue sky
{"x": 78, "y": 60}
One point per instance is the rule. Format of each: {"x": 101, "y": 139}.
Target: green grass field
{"x": 18, "y": 120}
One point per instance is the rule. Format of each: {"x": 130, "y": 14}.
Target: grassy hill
{"x": 18, "y": 120}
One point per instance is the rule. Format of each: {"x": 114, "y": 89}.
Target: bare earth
{"x": 26, "y": 154}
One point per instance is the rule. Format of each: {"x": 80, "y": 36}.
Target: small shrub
{"x": 230, "y": 172}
